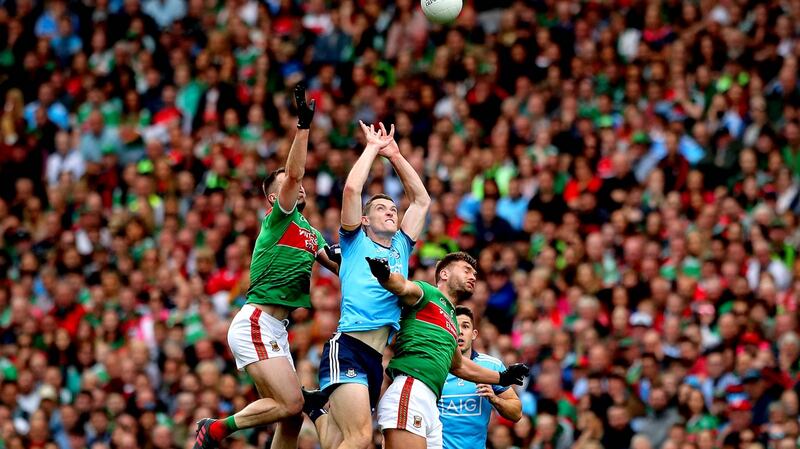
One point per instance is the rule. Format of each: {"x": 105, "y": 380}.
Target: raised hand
{"x": 391, "y": 149}
{"x": 377, "y": 137}
{"x": 305, "y": 111}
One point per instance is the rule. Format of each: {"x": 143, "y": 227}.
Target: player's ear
{"x": 364, "y": 220}
{"x": 272, "y": 197}
{"x": 474, "y": 334}
{"x": 444, "y": 274}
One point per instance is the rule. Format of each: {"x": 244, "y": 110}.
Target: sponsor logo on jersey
{"x": 417, "y": 421}
{"x": 351, "y": 373}
{"x": 461, "y": 405}
{"x": 300, "y": 238}
{"x": 435, "y": 315}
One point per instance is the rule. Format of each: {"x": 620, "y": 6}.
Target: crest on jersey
{"x": 417, "y": 421}
{"x": 275, "y": 347}
{"x": 351, "y": 373}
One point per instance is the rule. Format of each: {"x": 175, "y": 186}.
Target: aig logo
{"x": 461, "y": 405}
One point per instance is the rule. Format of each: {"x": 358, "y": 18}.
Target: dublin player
{"x": 465, "y": 408}
{"x": 426, "y": 350}
{"x": 351, "y": 369}
{"x": 280, "y": 274}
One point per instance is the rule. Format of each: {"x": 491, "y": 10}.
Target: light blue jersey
{"x": 465, "y": 415}
{"x": 366, "y": 305}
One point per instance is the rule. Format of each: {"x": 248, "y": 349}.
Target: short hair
{"x": 452, "y": 258}
{"x": 466, "y": 311}
{"x": 380, "y": 196}
{"x": 268, "y": 186}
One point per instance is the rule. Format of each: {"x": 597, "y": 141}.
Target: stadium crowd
{"x": 627, "y": 174}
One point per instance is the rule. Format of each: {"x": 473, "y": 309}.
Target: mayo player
{"x": 426, "y": 350}
{"x": 280, "y": 276}
{"x": 466, "y": 408}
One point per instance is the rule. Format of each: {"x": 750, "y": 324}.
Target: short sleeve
{"x": 349, "y": 238}
{"x": 426, "y": 294}
{"x": 404, "y": 244}
{"x": 321, "y": 242}
{"x": 277, "y": 219}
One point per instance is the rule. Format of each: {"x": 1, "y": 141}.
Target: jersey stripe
{"x": 435, "y": 315}
{"x": 255, "y": 334}
{"x": 405, "y": 397}
{"x": 299, "y": 238}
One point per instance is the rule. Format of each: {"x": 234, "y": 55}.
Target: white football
{"x": 441, "y": 11}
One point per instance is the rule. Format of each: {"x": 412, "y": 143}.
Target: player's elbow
{"x": 423, "y": 201}
{"x": 295, "y": 174}
{"x": 351, "y": 188}
{"x": 515, "y": 415}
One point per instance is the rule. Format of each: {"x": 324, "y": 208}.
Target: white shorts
{"x": 409, "y": 404}
{"x": 255, "y": 335}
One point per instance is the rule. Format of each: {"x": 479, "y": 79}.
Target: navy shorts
{"x": 348, "y": 360}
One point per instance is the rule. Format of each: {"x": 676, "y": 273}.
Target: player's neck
{"x": 383, "y": 239}
{"x": 447, "y": 293}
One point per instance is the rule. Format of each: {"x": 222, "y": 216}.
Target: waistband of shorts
{"x": 401, "y": 377}
{"x": 360, "y": 345}
{"x": 269, "y": 317}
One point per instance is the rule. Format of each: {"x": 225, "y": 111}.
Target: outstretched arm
{"x": 408, "y": 292}
{"x": 466, "y": 369}
{"x": 414, "y": 218}
{"x": 351, "y": 198}
{"x": 296, "y": 161}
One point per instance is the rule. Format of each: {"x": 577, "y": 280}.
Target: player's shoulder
{"x": 488, "y": 360}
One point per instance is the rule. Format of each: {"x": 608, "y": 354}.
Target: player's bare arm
{"x": 354, "y": 185}
{"x": 296, "y": 161}
{"x": 466, "y": 369}
{"x": 414, "y": 218}
{"x": 408, "y": 292}
{"x": 506, "y": 403}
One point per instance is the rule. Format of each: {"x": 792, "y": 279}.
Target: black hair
{"x": 451, "y": 258}
{"x": 466, "y": 311}
{"x": 269, "y": 182}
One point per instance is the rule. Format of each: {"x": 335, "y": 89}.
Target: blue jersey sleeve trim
{"x": 411, "y": 241}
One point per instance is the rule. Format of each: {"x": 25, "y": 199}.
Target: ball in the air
{"x": 441, "y": 11}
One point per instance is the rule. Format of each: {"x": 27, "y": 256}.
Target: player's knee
{"x": 294, "y": 406}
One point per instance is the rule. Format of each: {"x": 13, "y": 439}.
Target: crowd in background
{"x": 627, "y": 174}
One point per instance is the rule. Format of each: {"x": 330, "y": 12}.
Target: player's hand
{"x": 391, "y": 149}
{"x": 377, "y": 137}
{"x": 334, "y": 253}
{"x": 486, "y": 391}
{"x": 379, "y": 268}
{"x": 514, "y": 375}
{"x": 305, "y": 111}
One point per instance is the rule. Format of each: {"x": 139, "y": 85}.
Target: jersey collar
{"x": 474, "y": 355}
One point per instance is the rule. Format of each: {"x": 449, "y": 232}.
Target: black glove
{"x": 305, "y": 112}
{"x": 379, "y": 268}
{"x": 514, "y": 375}
{"x": 334, "y": 253}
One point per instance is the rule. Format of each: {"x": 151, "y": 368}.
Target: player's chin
{"x": 301, "y": 203}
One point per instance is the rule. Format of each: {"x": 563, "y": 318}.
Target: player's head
{"x": 466, "y": 329}
{"x": 456, "y": 272}
{"x": 380, "y": 215}
{"x": 272, "y": 185}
